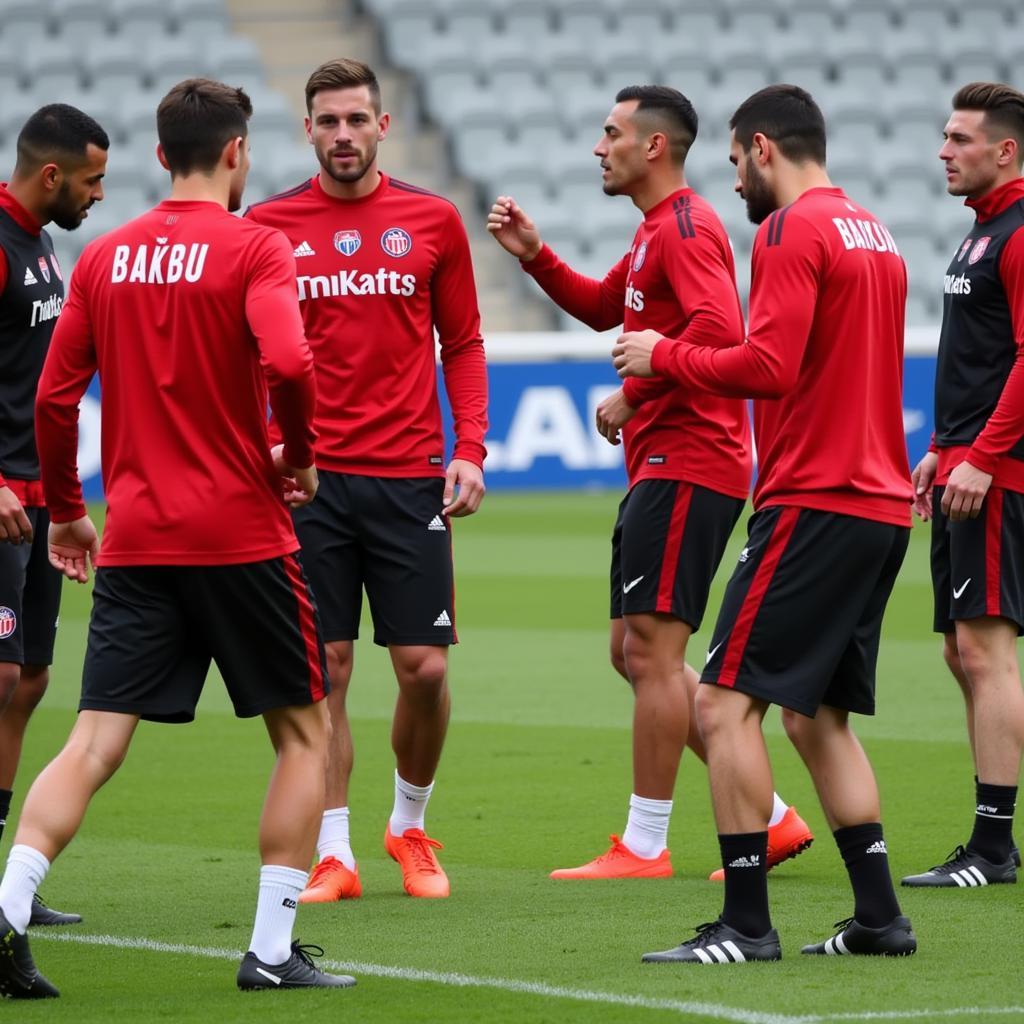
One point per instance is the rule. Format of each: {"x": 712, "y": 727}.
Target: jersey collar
{"x": 17, "y": 212}
{"x": 993, "y": 203}
{"x": 368, "y": 198}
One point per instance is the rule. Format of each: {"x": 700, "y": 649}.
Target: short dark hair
{"x": 343, "y": 73}
{"x": 788, "y": 116}
{"x": 58, "y": 133}
{"x": 670, "y": 107}
{"x": 197, "y": 119}
{"x": 1003, "y": 107}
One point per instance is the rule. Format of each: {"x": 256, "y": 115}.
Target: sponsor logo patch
{"x": 347, "y": 242}
{"x": 30, "y": 278}
{"x": 640, "y": 256}
{"x": 396, "y": 242}
{"x": 44, "y": 269}
{"x": 8, "y": 622}
{"x": 56, "y": 266}
{"x": 979, "y": 249}
{"x": 963, "y": 249}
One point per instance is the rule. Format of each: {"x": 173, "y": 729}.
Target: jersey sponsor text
{"x": 351, "y": 282}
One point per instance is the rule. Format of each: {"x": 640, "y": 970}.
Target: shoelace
{"x": 420, "y": 846}
{"x": 39, "y": 901}
{"x": 325, "y": 867}
{"x": 617, "y": 850}
{"x": 952, "y": 860}
{"x": 841, "y": 926}
{"x": 706, "y": 932}
{"x": 306, "y": 953}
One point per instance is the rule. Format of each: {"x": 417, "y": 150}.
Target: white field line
{"x": 713, "y": 1011}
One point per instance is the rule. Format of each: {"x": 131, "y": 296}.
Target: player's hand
{"x": 74, "y": 547}
{"x": 923, "y": 478}
{"x": 299, "y": 485}
{"x": 468, "y": 477}
{"x": 513, "y": 230}
{"x": 963, "y": 496}
{"x": 631, "y": 356}
{"x": 14, "y": 523}
{"x": 612, "y": 415}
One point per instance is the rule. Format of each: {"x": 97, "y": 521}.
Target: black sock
{"x": 745, "y": 859}
{"x": 993, "y": 822}
{"x": 5, "y": 807}
{"x": 867, "y": 862}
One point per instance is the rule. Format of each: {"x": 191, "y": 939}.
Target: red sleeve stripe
{"x": 307, "y": 626}
{"x": 993, "y": 550}
{"x": 673, "y": 545}
{"x": 740, "y": 635}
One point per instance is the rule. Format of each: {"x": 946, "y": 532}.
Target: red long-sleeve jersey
{"x": 679, "y": 279}
{"x": 189, "y": 316}
{"x": 823, "y": 359}
{"x": 376, "y": 276}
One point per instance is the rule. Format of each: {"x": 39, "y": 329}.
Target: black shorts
{"x": 802, "y": 614}
{"x": 978, "y": 564}
{"x": 387, "y": 535}
{"x": 155, "y": 629}
{"x": 669, "y": 538}
{"x": 29, "y": 597}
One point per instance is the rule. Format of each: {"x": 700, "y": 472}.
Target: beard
{"x": 65, "y": 212}
{"x": 355, "y": 173}
{"x": 760, "y": 199}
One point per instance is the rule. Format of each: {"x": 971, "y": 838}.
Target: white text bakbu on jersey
{"x": 161, "y": 264}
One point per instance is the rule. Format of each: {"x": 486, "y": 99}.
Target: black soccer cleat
{"x": 897, "y": 938}
{"x": 964, "y": 870}
{"x": 44, "y": 916}
{"x": 1015, "y": 855}
{"x": 19, "y": 976}
{"x": 296, "y": 972}
{"x": 717, "y": 943}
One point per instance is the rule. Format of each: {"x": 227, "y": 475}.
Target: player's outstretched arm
{"x": 463, "y": 488}
{"x": 923, "y": 479}
{"x": 73, "y": 547}
{"x": 513, "y": 230}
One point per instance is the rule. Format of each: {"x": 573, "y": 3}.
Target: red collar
{"x": 993, "y": 203}
{"x": 17, "y": 212}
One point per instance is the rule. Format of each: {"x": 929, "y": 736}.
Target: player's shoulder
{"x": 421, "y": 199}
{"x": 690, "y": 216}
{"x": 281, "y": 202}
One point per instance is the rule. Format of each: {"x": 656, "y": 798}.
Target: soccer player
{"x": 801, "y": 616}
{"x": 62, "y": 156}
{"x": 971, "y": 482}
{"x": 188, "y": 314}
{"x": 381, "y": 264}
{"x": 688, "y": 461}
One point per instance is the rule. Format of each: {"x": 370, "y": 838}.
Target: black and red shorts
{"x": 802, "y": 614}
{"x": 387, "y": 535}
{"x": 668, "y": 540}
{"x": 978, "y": 564}
{"x": 155, "y": 629}
{"x": 29, "y": 596}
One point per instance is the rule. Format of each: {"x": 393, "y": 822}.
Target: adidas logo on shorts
{"x": 442, "y": 619}
{"x": 437, "y": 523}
{"x": 746, "y": 862}
{"x": 878, "y": 847}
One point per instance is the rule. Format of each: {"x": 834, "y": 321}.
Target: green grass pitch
{"x": 535, "y": 776}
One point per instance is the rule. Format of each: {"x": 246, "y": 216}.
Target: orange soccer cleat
{"x": 620, "y": 862}
{"x": 422, "y": 876}
{"x": 331, "y": 881}
{"x": 787, "y": 839}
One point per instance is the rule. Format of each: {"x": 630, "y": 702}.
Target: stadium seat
{"x": 199, "y": 19}
{"x": 408, "y": 27}
{"x": 741, "y": 70}
{"x": 812, "y": 19}
{"x": 925, "y": 19}
{"x": 583, "y": 19}
{"x": 870, "y": 17}
{"x": 25, "y": 22}
{"x": 234, "y": 59}
{"x": 140, "y": 20}
{"x": 80, "y": 20}
{"x": 627, "y": 60}
{"x": 527, "y": 20}
{"x": 801, "y": 60}
{"x": 116, "y": 65}
{"x": 53, "y": 69}
{"x": 753, "y": 20}
{"x": 469, "y": 21}
{"x": 639, "y": 21}
{"x": 482, "y": 146}
{"x": 170, "y": 60}
{"x": 698, "y": 21}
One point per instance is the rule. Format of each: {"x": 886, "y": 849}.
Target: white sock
{"x": 275, "y": 912}
{"x": 410, "y": 806}
{"x": 26, "y": 869}
{"x": 334, "y": 839}
{"x": 646, "y": 832}
{"x": 779, "y": 808}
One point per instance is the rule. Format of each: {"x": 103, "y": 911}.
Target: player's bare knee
{"x": 713, "y": 717}
{"x": 618, "y": 660}
{"x": 424, "y": 680}
{"x": 799, "y": 728}
{"x": 340, "y": 659}
{"x": 9, "y": 676}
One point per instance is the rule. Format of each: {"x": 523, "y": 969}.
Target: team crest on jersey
{"x": 640, "y": 256}
{"x": 396, "y": 242}
{"x": 979, "y": 249}
{"x": 44, "y": 269}
{"x": 56, "y": 266}
{"x": 8, "y": 622}
{"x": 963, "y": 250}
{"x": 347, "y": 242}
